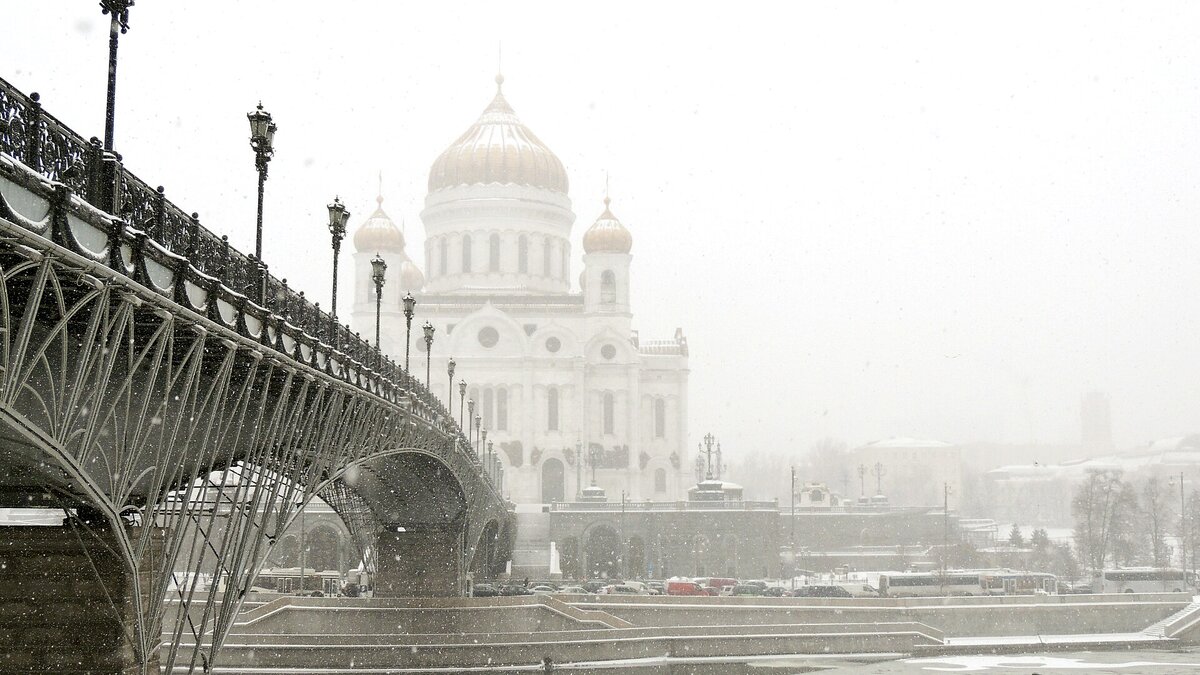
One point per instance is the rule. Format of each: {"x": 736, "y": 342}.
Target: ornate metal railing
{"x": 50, "y": 148}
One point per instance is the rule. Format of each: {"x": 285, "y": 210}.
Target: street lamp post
{"x": 462, "y": 397}
{"x": 450, "y": 386}
{"x": 338, "y": 217}
{"x": 491, "y": 453}
{"x": 483, "y": 444}
{"x": 471, "y": 416}
{"x": 262, "y": 141}
{"x": 378, "y": 270}
{"x": 119, "y": 25}
{"x": 793, "y": 544}
{"x": 409, "y": 303}
{"x": 479, "y": 448}
{"x": 428, "y": 328}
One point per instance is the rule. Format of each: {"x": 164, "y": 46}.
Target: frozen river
{"x": 1151, "y": 662}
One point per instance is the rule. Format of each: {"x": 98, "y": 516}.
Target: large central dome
{"x": 498, "y": 149}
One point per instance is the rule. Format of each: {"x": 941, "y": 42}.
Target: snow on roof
{"x": 908, "y": 443}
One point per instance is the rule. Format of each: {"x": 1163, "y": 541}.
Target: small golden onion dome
{"x": 607, "y": 234}
{"x": 378, "y": 233}
{"x": 498, "y": 149}
{"x": 411, "y": 278}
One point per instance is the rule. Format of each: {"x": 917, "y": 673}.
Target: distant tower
{"x": 1095, "y": 417}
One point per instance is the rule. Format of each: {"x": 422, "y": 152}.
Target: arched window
{"x": 546, "y": 256}
{"x": 487, "y": 409}
{"x": 466, "y": 253}
{"x": 552, "y": 410}
{"x": 660, "y": 418}
{"x": 660, "y": 480}
{"x": 566, "y": 263}
{"x": 523, "y": 254}
{"x": 608, "y": 287}
{"x": 501, "y": 410}
{"x": 494, "y": 253}
{"x": 443, "y": 255}
{"x": 608, "y": 413}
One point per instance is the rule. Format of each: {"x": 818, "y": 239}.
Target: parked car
{"x": 484, "y": 591}
{"x": 656, "y": 587}
{"x": 594, "y": 585}
{"x": 760, "y": 584}
{"x": 727, "y": 589}
{"x": 685, "y": 588}
{"x": 544, "y": 588}
{"x": 573, "y": 590}
{"x": 821, "y": 592}
{"x": 510, "y": 589}
{"x": 624, "y": 589}
{"x": 747, "y": 589}
{"x": 775, "y": 592}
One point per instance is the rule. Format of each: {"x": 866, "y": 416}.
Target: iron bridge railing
{"x": 49, "y": 147}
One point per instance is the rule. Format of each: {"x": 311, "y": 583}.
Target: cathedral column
{"x": 632, "y": 431}
{"x": 580, "y": 415}
{"x": 529, "y": 427}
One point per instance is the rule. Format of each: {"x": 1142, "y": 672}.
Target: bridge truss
{"x": 179, "y": 422}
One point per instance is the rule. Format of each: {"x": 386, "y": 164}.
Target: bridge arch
{"x": 145, "y": 393}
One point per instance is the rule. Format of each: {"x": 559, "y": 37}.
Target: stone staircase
{"x": 531, "y": 550}
{"x": 1159, "y": 629}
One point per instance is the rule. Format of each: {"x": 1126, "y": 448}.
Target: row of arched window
{"x": 492, "y": 403}
{"x": 494, "y": 261}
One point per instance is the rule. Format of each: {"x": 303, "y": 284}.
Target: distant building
{"x": 911, "y": 471}
{"x": 1041, "y": 493}
{"x": 1095, "y": 417}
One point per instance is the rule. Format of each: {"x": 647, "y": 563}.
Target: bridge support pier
{"x": 68, "y": 605}
{"x": 419, "y": 561}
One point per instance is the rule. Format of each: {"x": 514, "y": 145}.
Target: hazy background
{"x": 871, "y": 219}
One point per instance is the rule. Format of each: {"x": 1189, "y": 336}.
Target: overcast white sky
{"x": 871, "y": 219}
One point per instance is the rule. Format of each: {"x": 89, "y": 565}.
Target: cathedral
{"x": 568, "y": 392}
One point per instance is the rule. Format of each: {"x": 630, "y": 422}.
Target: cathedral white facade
{"x": 559, "y": 377}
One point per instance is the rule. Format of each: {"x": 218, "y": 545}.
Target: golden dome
{"x": 411, "y": 278}
{"x": 378, "y": 233}
{"x": 498, "y": 148}
{"x": 607, "y": 234}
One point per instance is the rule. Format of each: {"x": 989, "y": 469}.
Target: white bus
{"x": 1143, "y": 580}
{"x": 929, "y": 584}
{"x": 1008, "y": 582}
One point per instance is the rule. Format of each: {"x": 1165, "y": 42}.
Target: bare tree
{"x": 1155, "y": 516}
{"x": 1097, "y": 524}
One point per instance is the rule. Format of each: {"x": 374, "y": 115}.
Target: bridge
{"x": 180, "y": 405}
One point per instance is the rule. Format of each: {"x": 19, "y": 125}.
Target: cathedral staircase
{"x": 531, "y": 550}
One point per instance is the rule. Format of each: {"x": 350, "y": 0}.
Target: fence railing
{"x": 48, "y": 147}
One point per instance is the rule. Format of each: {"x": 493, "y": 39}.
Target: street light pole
{"x": 378, "y": 272}
{"x": 462, "y": 398}
{"x": 428, "y": 327}
{"x": 409, "y": 303}
{"x": 622, "y": 555}
{"x": 338, "y": 217}
{"x": 479, "y": 448}
{"x": 450, "y": 385}
{"x": 262, "y": 141}
{"x": 119, "y": 25}
{"x": 793, "y": 573}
